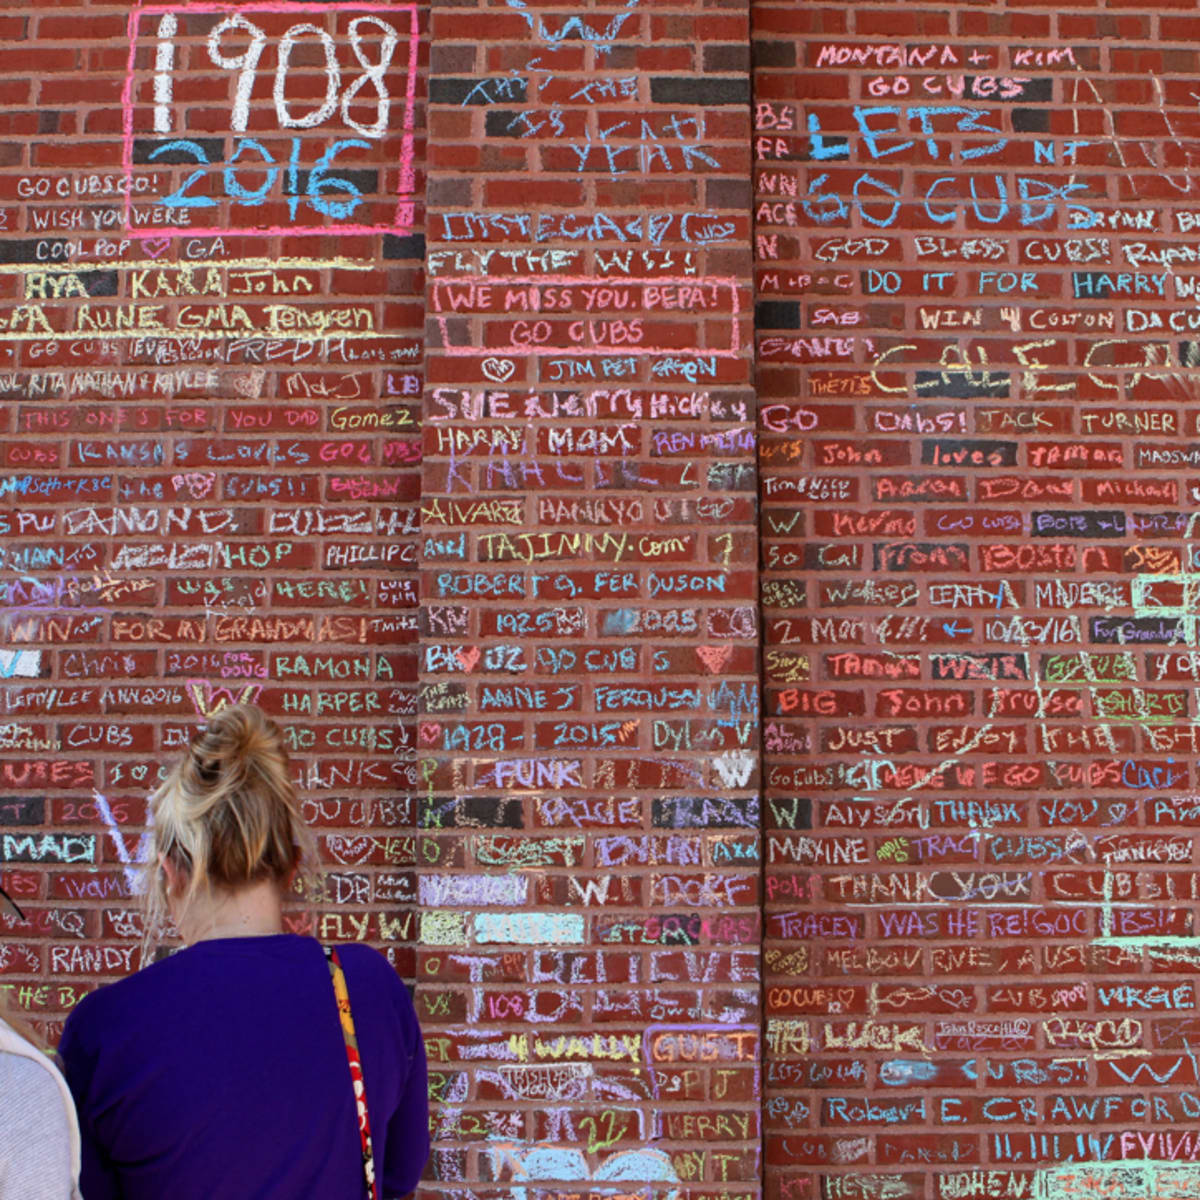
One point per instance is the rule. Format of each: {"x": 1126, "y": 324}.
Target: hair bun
{"x": 236, "y": 737}
{"x": 228, "y": 812}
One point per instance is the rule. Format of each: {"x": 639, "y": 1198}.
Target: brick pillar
{"x": 588, "y": 732}
{"x": 975, "y": 275}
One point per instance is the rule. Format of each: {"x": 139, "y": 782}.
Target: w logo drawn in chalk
{"x": 209, "y": 700}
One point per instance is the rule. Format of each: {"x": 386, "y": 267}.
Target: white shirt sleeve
{"x": 35, "y": 1137}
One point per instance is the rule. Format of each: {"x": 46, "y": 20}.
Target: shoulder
{"x": 30, "y": 1082}
{"x": 116, "y": 1005}
{"x": 106, "y": 1001}
{"x": 11, "y": 1042}
{"x": 34, "y": 1100}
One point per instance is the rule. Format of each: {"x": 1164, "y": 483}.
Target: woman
{"x": 39, "y": 1136}
{"x": 224, "y": 1070}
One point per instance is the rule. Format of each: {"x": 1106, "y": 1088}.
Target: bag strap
{"x": 356, "y": 1074}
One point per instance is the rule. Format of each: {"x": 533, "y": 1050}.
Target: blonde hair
{"x": 227, "y": 815}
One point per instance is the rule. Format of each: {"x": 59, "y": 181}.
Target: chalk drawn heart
{"x": 429, "y": 732}
{"x": 498, "y": 370}
{"x": 156, "y": 247}
{"x": 349, "y": 850}
{"x": 714, "y": 657}
{"x": 467, "y": 657}
{"x": 250, "y": 385}
{"x": 197, "y": 483}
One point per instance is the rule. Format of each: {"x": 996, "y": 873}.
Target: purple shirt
{"x": 220, "y": 1073}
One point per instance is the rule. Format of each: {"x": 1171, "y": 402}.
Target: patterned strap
{"x": 356, "y": 1075}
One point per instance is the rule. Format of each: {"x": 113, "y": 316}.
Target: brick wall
{"x": 440, "y": 435}
{"x": 977, "y": 415}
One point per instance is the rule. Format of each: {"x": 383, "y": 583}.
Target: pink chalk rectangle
{"x": 442, "y": 317}
{"x": 404, "y": 217}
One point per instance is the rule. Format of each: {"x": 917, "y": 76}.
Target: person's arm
{"x": 406, "y": 1142}
{"x": 98, "y": 1178}
{"x": 35, "y": 1136}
